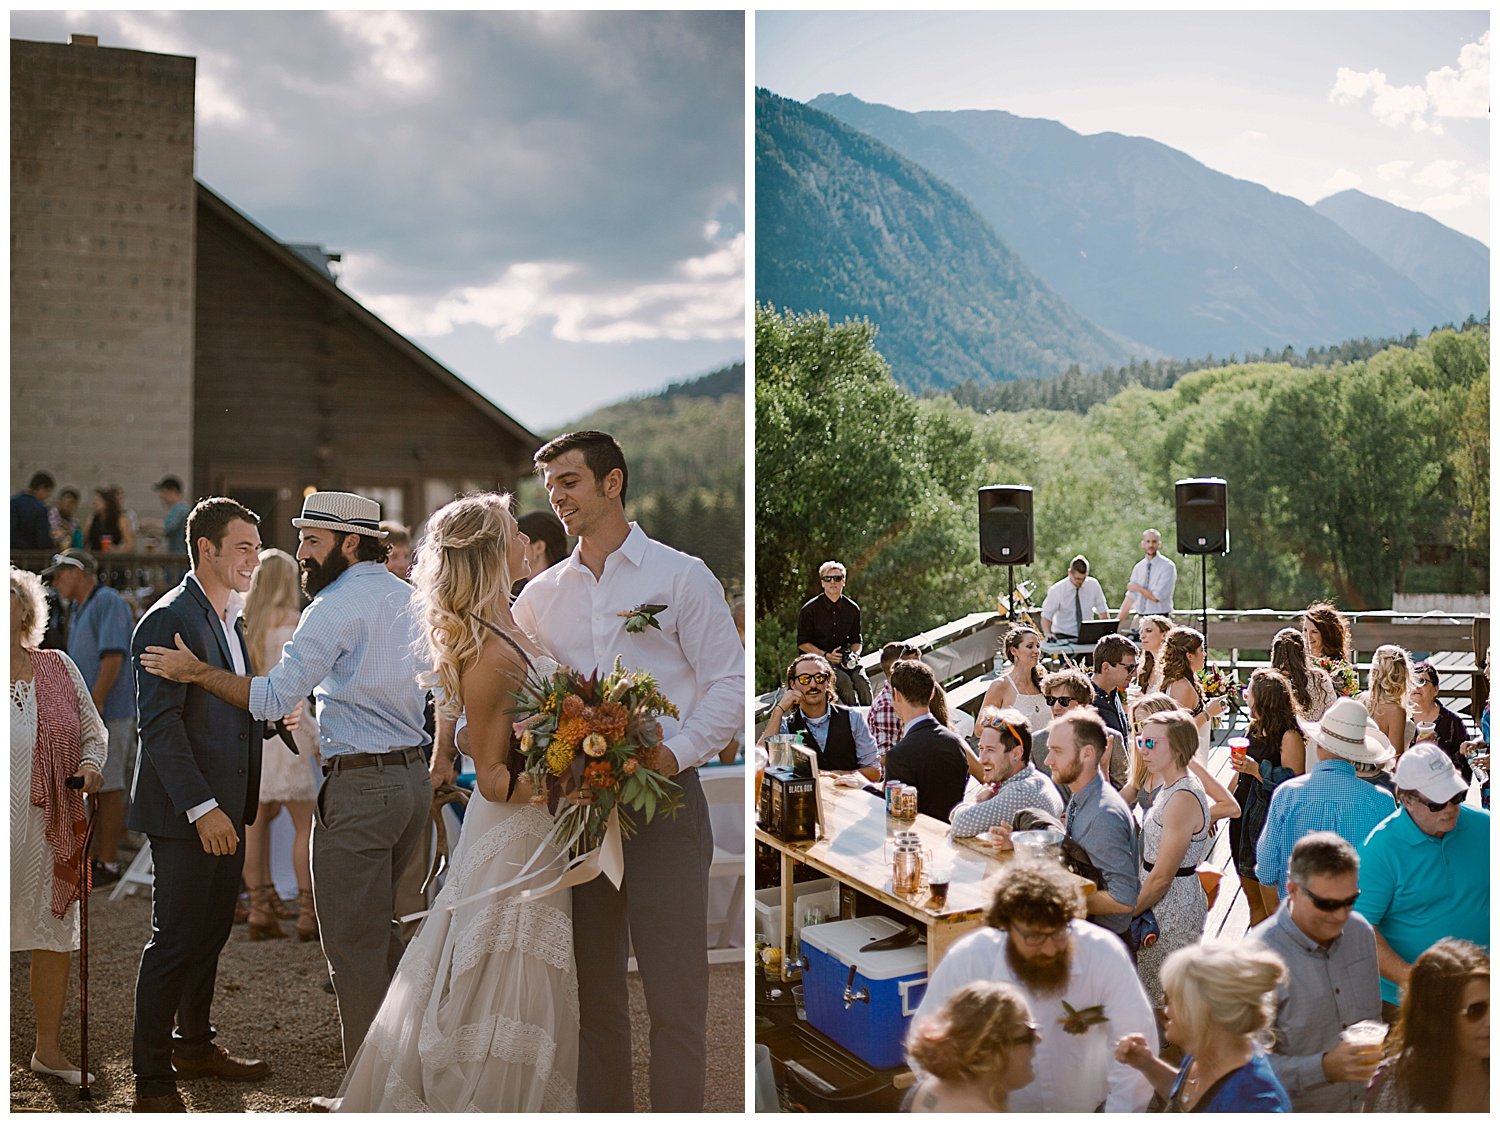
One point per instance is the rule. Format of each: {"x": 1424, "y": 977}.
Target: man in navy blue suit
{"x": 929, "y": 756}
{"x": 197, "y": 784}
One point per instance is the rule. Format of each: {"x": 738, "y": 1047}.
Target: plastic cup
{"x": 1365, "y": 1033}
{"x": 938, "y": 879}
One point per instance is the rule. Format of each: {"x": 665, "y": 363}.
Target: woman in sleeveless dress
{"x": 1020, "y": 688}
{"x": 1385, "y": 701}
{"x": 285, "y": 779}
{"x": 1175, "y": 837}
{"x": 1183, "y": 657}
{"x": 1277, "y": 752}
{"x": 482, "y": 1014}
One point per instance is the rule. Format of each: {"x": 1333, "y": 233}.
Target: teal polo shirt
{"x": 1416, "y": 889}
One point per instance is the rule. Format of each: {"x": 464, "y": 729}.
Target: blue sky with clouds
{"x": 551, "y": 203}
{"x": 1395, "y": 104}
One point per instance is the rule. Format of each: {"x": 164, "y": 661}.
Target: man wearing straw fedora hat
{"x": 1330, "y": 797}
{"x": 355, "y": 651}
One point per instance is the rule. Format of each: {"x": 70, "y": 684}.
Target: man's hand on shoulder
{"x": 175, "y": 664}
{"x": 217, "y": 832}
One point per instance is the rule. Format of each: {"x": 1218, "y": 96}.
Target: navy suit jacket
{"x": 193, "y": 746}
{"x": 931, "y": 757}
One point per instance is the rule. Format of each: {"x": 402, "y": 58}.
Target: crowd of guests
{"x": 40, "y": 522}
{"x": 1361, "y": 868}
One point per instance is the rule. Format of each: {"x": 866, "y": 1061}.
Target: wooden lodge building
{"x": 157, "y": 330}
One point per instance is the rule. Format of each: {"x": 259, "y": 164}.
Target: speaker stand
{"x": 1203, "y": 571}
{"x": 1010, "y": 599}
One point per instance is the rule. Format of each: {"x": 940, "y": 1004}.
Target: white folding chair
{"x": 726, "y": 785}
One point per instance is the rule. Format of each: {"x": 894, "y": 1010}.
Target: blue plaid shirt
{"x": 356, "y": 650}
{"x": 1329, "y": 798}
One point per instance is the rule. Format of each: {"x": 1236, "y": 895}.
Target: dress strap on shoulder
{"x": 521, "y": 651}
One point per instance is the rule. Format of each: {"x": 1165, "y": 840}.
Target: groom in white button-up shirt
{"x": 1036, "y": 941}
{"x": 580, "y": 610}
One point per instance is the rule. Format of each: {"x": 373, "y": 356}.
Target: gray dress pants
{"x": 368, "y": 824}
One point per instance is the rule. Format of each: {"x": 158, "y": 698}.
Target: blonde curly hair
{"x": 31, "y": 606}
{"x": 1390, "y": 675}
{"x": 461, "y": 574}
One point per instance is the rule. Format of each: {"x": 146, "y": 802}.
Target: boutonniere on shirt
{"x": 1078, "y": 1021}
{"x": 641, "y": 617}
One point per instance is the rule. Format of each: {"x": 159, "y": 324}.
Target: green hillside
{"x": 686, "y": 451}
{"x": 1339, "y": 477}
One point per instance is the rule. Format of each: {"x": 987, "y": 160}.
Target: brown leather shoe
{"x": 172, "y": 1101}
{"x": 219, "y": 1063}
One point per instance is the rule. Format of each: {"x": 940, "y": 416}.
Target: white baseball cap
{"x": 1427, "y": 770}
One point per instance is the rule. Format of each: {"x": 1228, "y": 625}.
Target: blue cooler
{"x": 873, "y": 1029}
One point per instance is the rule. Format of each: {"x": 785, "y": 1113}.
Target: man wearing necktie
{"x": 1152, "y": 581}
{"x": 1074, "y": 599}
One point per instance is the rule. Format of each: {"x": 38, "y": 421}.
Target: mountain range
{"x": 1164, "y": 254}
{"x": 1445, "y": 264}
{"x": 847, "y": 226}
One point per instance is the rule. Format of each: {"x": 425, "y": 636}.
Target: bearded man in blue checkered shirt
{"x": 355, "y": 650}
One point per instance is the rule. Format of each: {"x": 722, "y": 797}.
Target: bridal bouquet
{"x": 1345, "y": 677}
{"x": 1219, "y": 684}
{"x": 581, "y": 732}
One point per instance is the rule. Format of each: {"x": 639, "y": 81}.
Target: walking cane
{"x": 84, "y": 1092}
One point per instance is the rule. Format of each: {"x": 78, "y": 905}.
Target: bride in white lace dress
{"x": 482, "y": 1014}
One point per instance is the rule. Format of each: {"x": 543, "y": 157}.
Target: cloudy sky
{"x": 1307, "y": 104}
{"x": 552, "y": 204}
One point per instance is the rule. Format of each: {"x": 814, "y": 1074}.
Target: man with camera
{"x": 828, "y": 625}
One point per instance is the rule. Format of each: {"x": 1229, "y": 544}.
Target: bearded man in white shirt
{"x": 1080, "y": 984}
{"x": 620, "y": 593}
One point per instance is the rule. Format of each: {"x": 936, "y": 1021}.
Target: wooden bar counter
{"x": 857, "y": 853}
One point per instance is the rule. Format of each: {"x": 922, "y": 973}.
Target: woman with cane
{"x": 55, "y": 734}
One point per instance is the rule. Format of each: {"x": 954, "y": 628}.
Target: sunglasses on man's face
{"x": 820, "y": 678}
{"x": 833, "y": 578}
{"x": 1325, "y": 904}
{"x": 1062, "y": 700}
{"x": 1476, "y": 1010}
{"x": 1436, "y": 807}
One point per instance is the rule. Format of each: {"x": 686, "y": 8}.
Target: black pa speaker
{"x": 1203, "y": 516}
{"x": 1005, "y": 525}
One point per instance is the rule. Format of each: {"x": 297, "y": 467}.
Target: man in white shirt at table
{"x": 1035, "y": 938}
{"x": 620, "y": 593}
{"x": 1076, "y": 598}
{"x": 1152, "y": 581}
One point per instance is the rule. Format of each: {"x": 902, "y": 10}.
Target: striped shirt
{"x": 356, "y": 651}
{"x": 1329, "y": 798}
{"x": 1027, "y": 788}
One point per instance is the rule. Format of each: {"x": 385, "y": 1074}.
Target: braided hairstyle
{"x": 461, "y": 574}
{"x": 1175, "y": 648}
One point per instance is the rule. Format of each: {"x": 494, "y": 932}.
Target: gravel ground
{"x": 271, "y": 1004}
